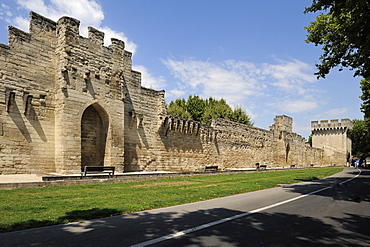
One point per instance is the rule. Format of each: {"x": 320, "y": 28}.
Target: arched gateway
{"x": 94, "y": 127}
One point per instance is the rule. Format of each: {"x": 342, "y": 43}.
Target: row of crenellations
{"x": 334, "y": 123}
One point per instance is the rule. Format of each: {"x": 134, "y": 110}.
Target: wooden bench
{"x": 260, "y": 167}
{"x": 210, "y": 168}
{"x": 102, "y": 169}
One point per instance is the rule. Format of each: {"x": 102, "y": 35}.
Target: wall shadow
{"x": 135, "y": 135}
{"x": 180, "y": 142}
{"x": 180, "y": 135}
{"x": 34, "y": 121}
{"x": 17, "y": 118}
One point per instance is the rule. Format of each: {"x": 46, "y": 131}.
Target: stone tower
{"x": 334, "y": 139}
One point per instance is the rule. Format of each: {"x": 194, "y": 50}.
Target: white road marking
{"x": 197, "y": 228}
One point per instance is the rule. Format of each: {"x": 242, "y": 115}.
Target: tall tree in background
{"x": 178, "y": 109}
{"x": 195, "y": 106}
{"x": 215, "y": 109}
{"x": 205, "y": 111}
{"x": 343, "y": 31}
{"x": 360, "y": 136}
{"x": 365, "y": 97}
{"x": 240, "y": 116}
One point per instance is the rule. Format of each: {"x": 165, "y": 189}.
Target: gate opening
{"x": 94, "y": 128}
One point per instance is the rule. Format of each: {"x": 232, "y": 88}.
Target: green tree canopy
{"x": 343, "y": 31}
{"x": 360, "y": 138}
{"x": 240, "y": 116}
{"x": 365, "y": 97}
{"x": 178, "y": 109}
{"x": 206, "y": 110}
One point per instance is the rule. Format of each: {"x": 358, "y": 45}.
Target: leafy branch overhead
{"x": 206, "y": 110}
{"x": 343, "y": 31}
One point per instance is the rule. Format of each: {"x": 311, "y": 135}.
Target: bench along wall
{"x": 186, "y": 145}
{"x": 68, "y": 101}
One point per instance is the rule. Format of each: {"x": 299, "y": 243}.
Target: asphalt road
{"x": 330, "y": 212}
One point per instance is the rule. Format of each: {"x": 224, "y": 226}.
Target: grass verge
{"x": 35, "y": 207}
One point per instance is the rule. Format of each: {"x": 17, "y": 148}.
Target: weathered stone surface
{"x": 67, "y": 101}
{"x": 333, "y": 138}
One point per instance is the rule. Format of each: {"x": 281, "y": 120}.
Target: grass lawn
{"x": 34, "y": 207}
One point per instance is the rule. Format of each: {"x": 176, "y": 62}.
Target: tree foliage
{"x": 309, "y": 141}
{"x": 215, "y": 109}
{"x": 365, "y": 97}
{"x": 177, "y": 108}
{"x": 206, "y": 110}
{"x": 343, "y": 31}
{"x": 360, "y": 138}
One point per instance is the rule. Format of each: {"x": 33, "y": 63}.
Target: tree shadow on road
{"x": 359, "y": 187}
{"x": 259, "y": 229}
{"x": 278, "y": 229}
{"x": 72, "y": 216}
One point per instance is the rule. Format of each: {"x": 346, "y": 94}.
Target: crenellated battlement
{"x": 180, "y": 125}
{"x": 16, "y": 36}
{"x": 69, "y": 24}
{"x": 40, "y": 23}
{"x": 333, "y": 124}
{"x": 66, "y": 28}
{"x": 96, "y": 36}
{"x": 282, "y": 123}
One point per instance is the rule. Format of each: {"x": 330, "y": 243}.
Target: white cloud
{"x": 175, "y": 93}
{"x": 148, "y": 80}
{"x": 110, "y": 33}
{"x": 297, "y": 106}
{"x": 229, "y": 80}
{"x": 20, "y": 22}
{"x": 333, "y": 113}
{"x": 89, "y": 12}
{"x": 240, "y": 82}
{"x": 5, "y": 13}
{"x": 289, "y": 75}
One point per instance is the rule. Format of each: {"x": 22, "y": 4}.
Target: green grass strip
{"x": 34, "y": 207}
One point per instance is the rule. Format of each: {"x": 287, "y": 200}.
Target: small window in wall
{"x": 10, "y": 100}
{"x": 28, "y": 104}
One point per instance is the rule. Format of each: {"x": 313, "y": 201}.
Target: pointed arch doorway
{"x": 94, "y": 129}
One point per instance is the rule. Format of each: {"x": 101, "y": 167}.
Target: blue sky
{"x": 251, "y": 53}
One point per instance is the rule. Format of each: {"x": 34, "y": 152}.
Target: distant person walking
{"x": 357, "y": 163}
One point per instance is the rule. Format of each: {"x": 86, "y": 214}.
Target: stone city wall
{"x": 186, "y": 145}
{"x": 68, "y": 101}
